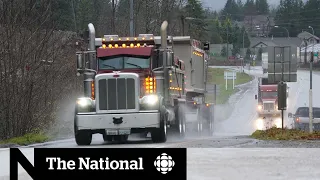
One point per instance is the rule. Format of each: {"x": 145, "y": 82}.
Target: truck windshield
{"x": 269, "y": 94}
{"x": 124, "y": 62}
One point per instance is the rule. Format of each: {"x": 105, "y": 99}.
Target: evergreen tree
{"x": 223, "y": 51}
{"x": 250, "y": 8}
{"x": 262, "y": 7}
{"x": 197, "y": 27}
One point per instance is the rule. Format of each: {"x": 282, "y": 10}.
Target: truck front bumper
{"x": 93, "y": 121}
{"x": 269, "y": 113}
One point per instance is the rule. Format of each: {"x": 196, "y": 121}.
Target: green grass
{"x": 216, "y": 76}
{"x": 284, "y": 134}
{"x": 27, "y": 139}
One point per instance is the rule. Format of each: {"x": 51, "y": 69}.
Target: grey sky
{"x": 219, "y": 4}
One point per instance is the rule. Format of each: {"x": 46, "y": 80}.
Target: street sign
{"x": 282, "y": 60}
{"x": 316, "y": 54}
{"x": 228, "y": 76}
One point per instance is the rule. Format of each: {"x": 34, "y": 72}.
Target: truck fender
{"x": 162, "y": 109}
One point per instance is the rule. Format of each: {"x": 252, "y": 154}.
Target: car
{"x": 301, "y": 118}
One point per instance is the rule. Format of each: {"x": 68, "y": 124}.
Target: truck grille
{"x": 116, "y": 94}
{"x": 268, "y": 106}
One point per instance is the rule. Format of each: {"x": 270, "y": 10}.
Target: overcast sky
{"x": 219, "y": 4}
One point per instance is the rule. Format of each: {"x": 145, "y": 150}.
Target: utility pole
{"x": 74, "y": 16}
{"x": 310, "y": 91}
{"x": 244, "y": 53}
{"x": 227, "y": 42}
{"x": 131, "y": 19}
{"x": 113, "y": 26}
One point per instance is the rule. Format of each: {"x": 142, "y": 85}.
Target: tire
{"x": 159, "y": 135}
{"x": 181, "y": 121}
{"x": 210, "y": 122}
{"x": 83, "y": 137}
{"x": 199, "y": 121}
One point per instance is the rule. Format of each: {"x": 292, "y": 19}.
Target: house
{"x": 295, "y": 42}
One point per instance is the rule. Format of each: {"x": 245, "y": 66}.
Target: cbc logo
{"x": 164, "y": 163}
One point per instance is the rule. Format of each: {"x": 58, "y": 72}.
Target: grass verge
{"x": 284, "y": 134}
{"x": 27, "y": 139}
{"x": 216, "y": 76}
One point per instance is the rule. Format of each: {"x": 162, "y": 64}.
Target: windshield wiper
{"x": 135, "y": 65}
{"x": 109, "y": 66}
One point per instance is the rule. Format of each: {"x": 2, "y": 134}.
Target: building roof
{"x": 279, "y": 41}
{"x": 307, "y": 35}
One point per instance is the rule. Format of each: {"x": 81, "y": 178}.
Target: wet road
{"x": 232, "y": 132}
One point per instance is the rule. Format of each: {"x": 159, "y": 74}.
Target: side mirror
{"x": 290, "y": 115}
{"x": 255, "y": 96}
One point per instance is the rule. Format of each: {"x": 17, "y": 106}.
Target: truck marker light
{"x": 124, "y": 45}
{"x": 110, "y": 45}
{"x": 104, "y": 46}
{"x": 138, "y": 45}
{"x": 132, "y": 45}
{"x": 128, "y": 39}
{"x": 297, "y": 119}
{"x": 135, "y": 38}
{"x": 116, "y": 45}
{"x": 92, "y": 90}
{"x": 111, "y": 39}
{"x": 119, "y": 39}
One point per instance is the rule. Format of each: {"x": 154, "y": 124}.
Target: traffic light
{"x": 282, "y": 96}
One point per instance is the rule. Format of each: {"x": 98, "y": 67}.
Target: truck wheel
{"x": 199, "y": 121}
{"x": 159, "y": 135}
{"x": 181, "y": 121}
{"x": 83, "y": 137}
{"x": 210, "y": 121}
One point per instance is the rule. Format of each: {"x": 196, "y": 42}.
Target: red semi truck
{"x": 267, "y": 99}
{"x": 140, "y": 85}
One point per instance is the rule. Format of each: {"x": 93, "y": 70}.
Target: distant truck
{"x": 267, "y": 98}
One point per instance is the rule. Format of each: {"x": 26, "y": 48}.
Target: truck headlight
{"x": 85, "y": 104}
{"x": 149, "y": 100}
